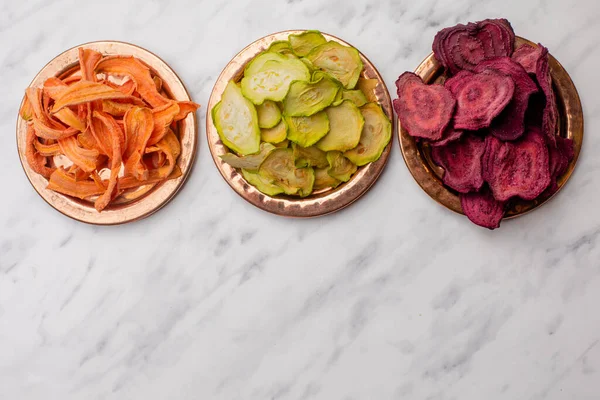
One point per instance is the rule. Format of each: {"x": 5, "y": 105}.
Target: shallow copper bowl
{"x": 145, "y": 200}
{"x": 429, "y": 176}
{"x": 316, "y": 204}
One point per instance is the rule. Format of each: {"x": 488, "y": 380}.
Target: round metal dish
{"x": 429, "y": 176}
{"x": 317, "y": 203}
{"x": 147, "y": 199}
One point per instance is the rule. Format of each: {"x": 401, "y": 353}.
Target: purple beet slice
{"x": 550, "y": 114}
{"x": 480, "y": 97}
{"x": 502, "y": 35}
{"x": 462, "y": 47}
{"x": 510, "y": 124}
{"x": 449, "y": 135}
{"x": 424, "y": 110}
{"x": 519, "y": 168}
{"x": 527, "y": 56}
{"x": 557, "y": 162}
{"x": 461, "y": 161}
{"x": 567, "y": 149}
{"x": 559, "y": 158}
{"x": 482, "y": 208}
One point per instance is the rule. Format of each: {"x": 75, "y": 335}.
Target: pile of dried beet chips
{"x": 92, "y": 124}
{"x": 492, "y": 125}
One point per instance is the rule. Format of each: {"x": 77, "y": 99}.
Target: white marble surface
{"x": 392, "y": 298}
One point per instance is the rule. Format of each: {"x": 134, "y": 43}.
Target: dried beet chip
{"x": 527, "y": 56}
{"x": 559, "y": 158}
{"x": 450, "y": 135}
{"x": 480, "y": 97}
{"x": 566, "y": 147}
{"x": 482, "y": 208}
{"x": 424, "y": 110}
{"x": 461, "y": 161}
{"x": 510, "y": 124}
{"x": 519, "y": 168}
{"x": 464, "y": 46}
{"x": 550, "y": 115}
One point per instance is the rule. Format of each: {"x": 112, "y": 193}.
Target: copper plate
{"x": 318, "y": 203}
{"x": 428, "y": 175}
{"x": 146, "y": 200}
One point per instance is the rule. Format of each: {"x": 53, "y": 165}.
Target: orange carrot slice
{"x": 98, "y": 132}
{"x": 139, "y": 124}
{"x": 62, "y": 182}
{"x": 116, "y": 138}
{"x": 154, "y": 176}
{"x": 86, "y": 139}
{"x": 115, "y": 108}
{"x": 46, "y": 150}
{"x": 54, "y": 87}
{"x": 71, "y": 119}
{"x": 96, "y": 178}
{"x": 185, "y": 107}
{"x": 84, "y": 158}
{"x": 78, "y": 173}
{"x": 34, "y": 96}
{"x": 87, "y": 61}
{"x": 36, "y": 161}
{"x": 44, "y": 131}
{"x": 26, "y": 111}
{"x": 158, "y": 83}
{"x": 86, "y": 91}
{"x": 169, "y": 146}
{"x": 127, "y": 87}
{"x": 138, "y": 72}
{"x": 171, "y": 139}
{"x": 163, "y": 116}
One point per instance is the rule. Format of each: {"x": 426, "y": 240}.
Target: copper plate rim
{"x": 570, "y": 123}
{"x": 317, "y": 204}
{"x": 158, "y": 196}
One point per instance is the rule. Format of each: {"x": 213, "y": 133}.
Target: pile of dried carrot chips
{"x": 129, "y": 128}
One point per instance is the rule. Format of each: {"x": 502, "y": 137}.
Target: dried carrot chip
{"x": 36, "y": 161}
{"x": 169, "y": 149}
{"x": 171, "y": 139}
{"x": 54, "y": 87}
{"x": 115, "y": 108}
{"x": 80, "y": 156}
{"x": 44, "y": 131}
{"x": 46, "y": 150}
{"x": 116, "y": 138}
{"x": 96, "y": 178}
{"x": 87, "y": 140}
{"x": 71, "y": 119}
{"x": 158, "y": 83}
{"x": 78, "y": 173}
{"x": 98, "y": 132}
{"x": 138, "y": 72}
{"x": 86, "y": 91}
{"x": 65, "y": 183}
{"x": 127, "y": 87}
{"x": 154, "y": 176}
{"x": 26, "y": 111}
{"x": 34, "y": 96}
{"x": 139, "y": 124}
{"x": 163, "y": 116}
{"x": 185, "y": 107}
{"x": 87, "y": 61}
